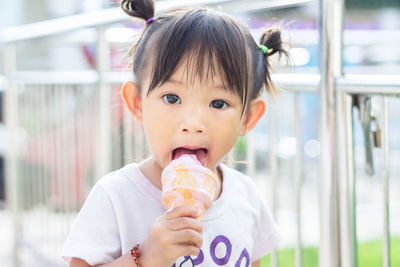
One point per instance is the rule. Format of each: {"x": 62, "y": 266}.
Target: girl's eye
{"x": 172, "y": 99}
{"x": 219, "y": 104}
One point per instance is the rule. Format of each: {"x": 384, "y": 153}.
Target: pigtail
{"x": 272, "y": 40}
{"x": 143, "y": 9}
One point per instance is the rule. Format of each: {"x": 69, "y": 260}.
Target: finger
{"x": 182, "y": 211}
{"x": 181, "y": 223}
{"x": 186, "y": 250}
{"x": 188, "y": 236}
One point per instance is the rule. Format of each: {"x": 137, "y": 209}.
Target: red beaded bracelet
{"x": 135, "y": 254}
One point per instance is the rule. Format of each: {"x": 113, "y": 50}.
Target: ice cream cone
{"x": 186, "y": 182}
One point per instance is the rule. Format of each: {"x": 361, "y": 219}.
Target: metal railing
{"x": 81, "y": 132}
{"x": 3, "y": 83}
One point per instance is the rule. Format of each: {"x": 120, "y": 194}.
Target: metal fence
{"x": 67, "y": 129}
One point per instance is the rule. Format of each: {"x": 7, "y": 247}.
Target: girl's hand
{"x": 176, "y": 233}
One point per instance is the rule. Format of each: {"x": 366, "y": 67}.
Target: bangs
{"x": 207, "y": 43}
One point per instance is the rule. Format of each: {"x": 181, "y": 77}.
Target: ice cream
{"x": 186, "y": 182}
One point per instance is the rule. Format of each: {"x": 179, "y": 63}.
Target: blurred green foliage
{"x": 369, "y": 255}
{"x": 371, "y": 4}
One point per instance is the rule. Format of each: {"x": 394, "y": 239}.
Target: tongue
{"x": 200, "y": 154}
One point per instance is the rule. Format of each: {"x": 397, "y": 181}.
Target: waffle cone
{"x": 186, "y": 182}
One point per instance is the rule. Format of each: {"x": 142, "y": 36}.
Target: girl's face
{"x": 198, "y": 117}
{"x": 192, "y": 116}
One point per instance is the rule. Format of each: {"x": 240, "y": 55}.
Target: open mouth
{"x": 200, "y": 153}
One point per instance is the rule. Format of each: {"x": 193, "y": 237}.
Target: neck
{"x": 152, "y": 171}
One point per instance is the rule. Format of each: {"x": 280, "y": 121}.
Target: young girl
{"x": 199, "y": 76}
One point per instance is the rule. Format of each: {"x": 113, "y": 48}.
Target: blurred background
{"x": 63, "y": 125}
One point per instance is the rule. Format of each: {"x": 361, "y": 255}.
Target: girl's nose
{"x": 193, "y": 122}
{"x": 193, "y": 126}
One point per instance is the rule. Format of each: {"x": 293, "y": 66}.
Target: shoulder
{"x": 118, "y": 181}
{"x": 243, "y": 191}
{"x": 115, "y": 177}
{"x": 239, "y": 182}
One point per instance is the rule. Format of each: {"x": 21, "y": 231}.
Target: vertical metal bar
{"x": 11, "y": 121}
{"x": 386, "y": 215}
{"x": 72, "y": 158}
{"x": 346, "y": 179}
{"x": 351, "y": 180}
{"x": 23, "y": 182}
{"x": 250, "y": 155}
{"x": 75, "y": 157}
{"x": 58, "y": 141}
{"x": 37, "y": 186}
{"x": 25, "y": 105}
{"x": 127, "y": 136}
{"x": 326, "y": 129}
{"x": 273, "y": 163}
{"x": 62, "y": 153}
{"x": 330, "y": 22}
{"x": 93, "y": 121}
{"x": 337, "y": 19}
{"x": 54, "y": 222}
{"x": 231, "y": 158}
{"x": 145, "y": 148}
{"x": 33, "y": 217}
{"x": 52, "y": 149}
{"x": 80, "y": 150}
{"x": 104, "y": 123}
{"x": 66, "y": 173}
{"x": 48, "y": 159}
{"x": 298, "y": 179}
{"x": 63, "y": 149}
{"x": 42, "y": 163}
{"x": 136, "y": 141}
{"x": 82, "y": 146}
{"x": 344, "y": 204}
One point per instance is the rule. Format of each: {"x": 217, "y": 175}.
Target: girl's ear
{"x": 256, "y": 110}
{"x": 133, "y": 101}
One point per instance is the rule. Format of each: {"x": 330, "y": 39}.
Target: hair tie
{"x": 264, "y": 49}
{"x": 150, "y": 20}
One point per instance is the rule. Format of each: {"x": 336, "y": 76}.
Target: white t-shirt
{"x": 238, "y": 229}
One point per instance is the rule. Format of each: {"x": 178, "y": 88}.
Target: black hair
{"x": 203, "y": 37}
